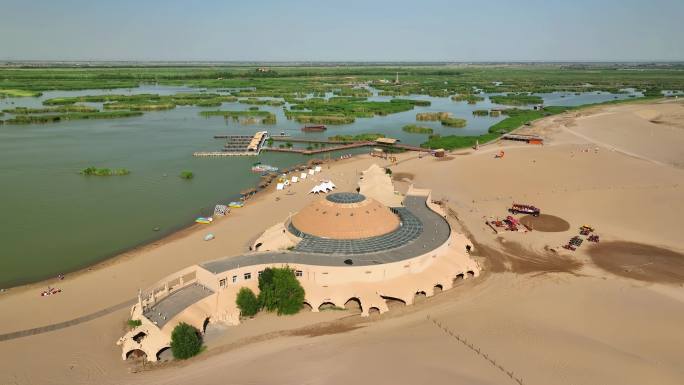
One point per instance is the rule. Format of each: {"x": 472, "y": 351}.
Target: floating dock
{"x": 238, "y": 145}
{"x": 205, "y": 154}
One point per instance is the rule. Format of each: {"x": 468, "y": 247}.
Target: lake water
{"x": 55, "y": 220}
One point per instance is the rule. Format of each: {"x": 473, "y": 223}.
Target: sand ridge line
{"x": 65, "y": 324}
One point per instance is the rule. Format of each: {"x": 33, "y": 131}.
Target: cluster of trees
{"x": 279, "y": 290}
{"x": 186, "y": 341}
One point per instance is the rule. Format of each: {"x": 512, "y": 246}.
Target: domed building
{"x": 342, "y": 247}
{"x": 345, "y": 216}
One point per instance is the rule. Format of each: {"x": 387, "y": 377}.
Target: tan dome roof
{"x": 346, "y": 216}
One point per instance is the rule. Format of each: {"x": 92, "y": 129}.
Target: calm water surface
{"x": 55, "y": 220}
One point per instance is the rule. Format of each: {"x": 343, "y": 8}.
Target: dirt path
{"x": 65, "y": 324}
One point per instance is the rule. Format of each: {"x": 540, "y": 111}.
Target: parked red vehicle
{"x": 524, "y": 209}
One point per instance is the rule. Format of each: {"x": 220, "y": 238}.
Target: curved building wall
{"x": 370, "y": 284}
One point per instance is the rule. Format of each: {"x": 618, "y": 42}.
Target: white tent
{"x": 280, "y": 186}
{"x": 322, "y": 187}
{"x": 317, "y": 169}
{"x": 302, "y": 175}
{"x": 328, "y": 186}
{"x": 295, "y": 179}
{"x": 317, "y": 189}
{"x": 311, "y": 171}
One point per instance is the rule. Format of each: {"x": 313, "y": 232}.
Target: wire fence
{"x": 476, "y": 349}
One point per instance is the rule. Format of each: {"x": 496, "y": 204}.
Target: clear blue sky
{"x": 322, "y": 30}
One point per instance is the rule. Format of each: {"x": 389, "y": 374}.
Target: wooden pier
{"x": 238, "y": 145}
{"x": 344, "y": 146}
{"x": 210, "y": 154}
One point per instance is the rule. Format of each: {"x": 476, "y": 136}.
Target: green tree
{"x": 267, "y": 298}
{"x": 280, "y": 291}
{"x": 288, "y": 291}
{"x": 247, "y": 302}
{"x": 185, "y": 341}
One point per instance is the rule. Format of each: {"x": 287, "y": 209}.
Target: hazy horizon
{"x": 353, "y": 31}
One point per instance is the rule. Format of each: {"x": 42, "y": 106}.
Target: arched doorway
{"x": 393, "y": 303}
{"x": 419, "y": 297}
{"x": 354, "y": 305}
{"x": 373, "y": 311}
{"x": 327, "y": 306}
{"x": 471, "y": 274}
{"x": 437, "y": 289}
{"x": 306, "y": 307}
{"x": 136, "y": 354}
{"x": 205, "y": 324}
{"x": 164, "y": 354}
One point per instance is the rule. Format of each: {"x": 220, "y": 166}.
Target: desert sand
{"x": 610, "y": 313}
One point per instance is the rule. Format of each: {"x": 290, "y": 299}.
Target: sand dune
{"x": 611, "y": 315}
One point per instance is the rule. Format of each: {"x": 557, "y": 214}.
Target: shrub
{"x": 185, "y": 341}
{"x": 133, "y": 323}
{"x": 187, "y": 175}
{"x": 247, "y": 302}
{"x": 280, "y": 290}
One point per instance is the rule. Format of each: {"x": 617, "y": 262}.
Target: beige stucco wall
{"x": 322, "y": 284}
{"x": 370, "y": 285}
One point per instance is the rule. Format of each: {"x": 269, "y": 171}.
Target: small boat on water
{"x": 204, "y": 221}
{"x": 262, "y": 168}
{"x": 236, "y": 205}
{"x": 316, "y": 128}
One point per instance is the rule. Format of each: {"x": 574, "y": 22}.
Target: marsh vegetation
{"x": 94, "y": 171}
{"x": 519, "y": 99}
{"x": 368, "y": 137}
{"x": 244, "y": 117}
{"x": 55, "y": 118}
{"x": 470, "y": 98}
{"x": 415, "y": 129}
{"x": 454, "y": 122}
{"x": 344, "y": 110}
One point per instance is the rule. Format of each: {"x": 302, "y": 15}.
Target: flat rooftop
{"x": 434, "y": 232}
{"x": 168, "y": 307}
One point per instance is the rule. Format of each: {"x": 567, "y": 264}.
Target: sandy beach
{"x": 606, "y": 313}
